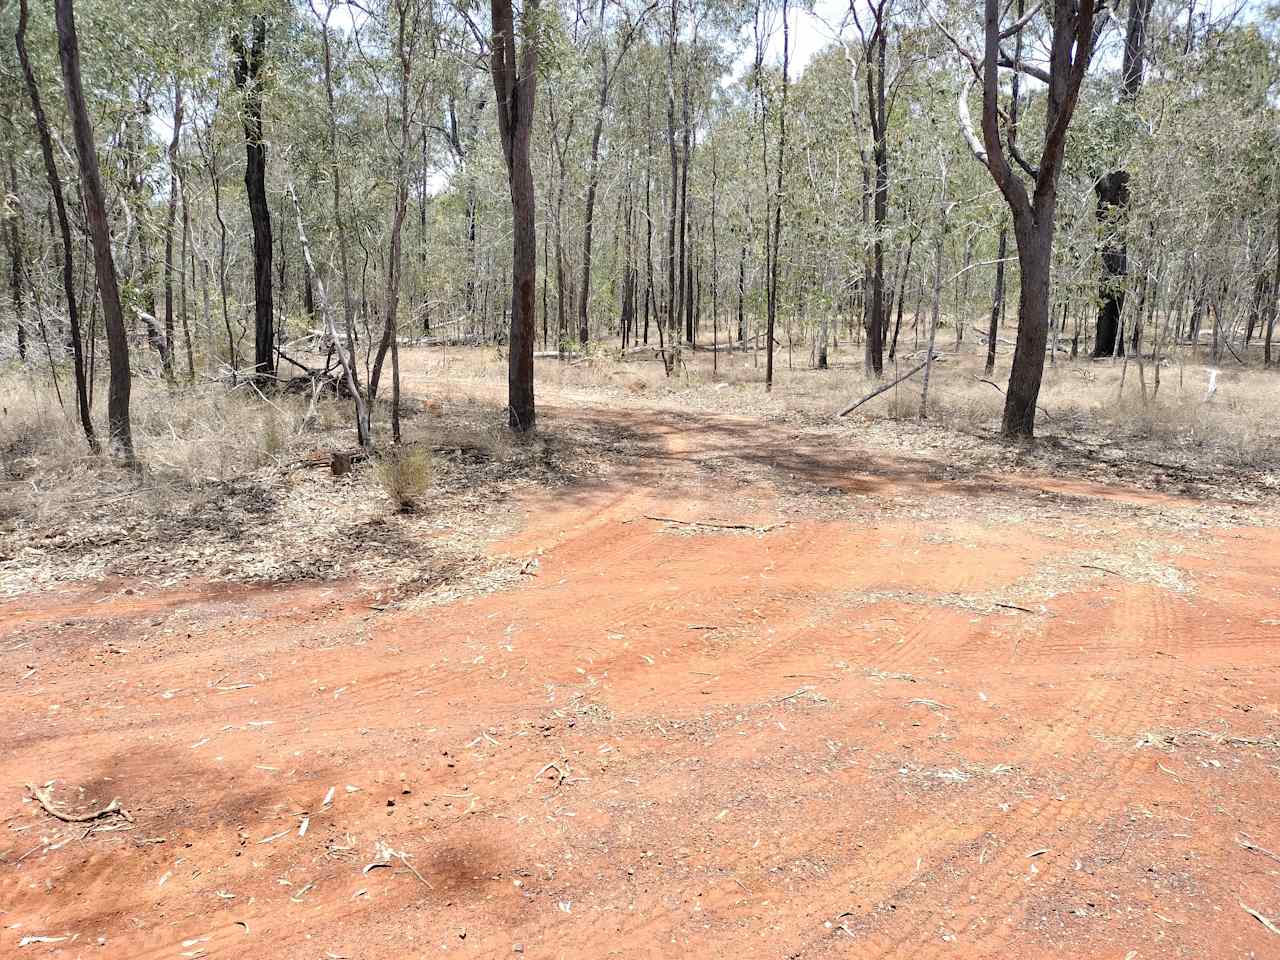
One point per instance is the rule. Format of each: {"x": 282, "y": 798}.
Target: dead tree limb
{"x": 46, "y": 803}
{"x": 879, "y": 390}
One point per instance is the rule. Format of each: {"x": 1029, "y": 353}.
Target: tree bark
{"x": 118, "y": 425}
{"x": 248, "y": 68}
{"x": 997, "y": 302}
{"x": 170, "y": 225}
{"x": 1113, "y": 196}
{"x": 335, "y": 169}
{"x": 64, "y": 231}
{"x": 514, "y": 84}
{"x": 1275, "y": 295}
{"x": 1071, "y": 47}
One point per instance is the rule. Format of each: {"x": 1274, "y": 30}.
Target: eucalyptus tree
{"x": 513, "y": 64}
{"x": 64, "y": 231}
{"x": 119, "y": 427}
{"x": 249, "y": 57}
{"x": 1070, "y": 41}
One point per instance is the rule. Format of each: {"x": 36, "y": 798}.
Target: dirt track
{"x": 990, "y": 717}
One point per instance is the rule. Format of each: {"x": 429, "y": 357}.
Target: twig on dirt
{"x": 1175, "y": 776}
{"x": 46, "y": 802}
{"x": 931, "y": 704}
{"x": 385, "y": 855}
{"x": 1094, "y": 566}
{"x": 1014, "y": 606}
{"x": 875, "y": 674}
{"x": 807, "y": 692}
{"x": 553, "y": 765}
{"x": 718, "y": 525}
{"x": 1265, "y": 921}
{"x": 1248, "y": 844}
{"x": 412, "y": 869}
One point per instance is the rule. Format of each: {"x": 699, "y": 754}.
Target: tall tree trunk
{"x": 1275, "y": 293}
{"x": 1071, "y": 48}
{"x": 186, "y": 279}
{"x": 362, "y": 415}
{"x": 777, "y": 203}
{"x": 1113, "y": 196}
{"x": 95, "y": 209}
{"x": 170, "y": 224}
{"x": 15, "y": 265}
{"x": 514, "y": 84}
{"x": 686, "y": 269}
{"x": 248, "y": 67}
{"x": 64, "y": 231}
{"x": 880, "y": 191}
{"x": 673, "y": 303}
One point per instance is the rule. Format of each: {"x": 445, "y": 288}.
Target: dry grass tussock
{"x": 230, "y": 490}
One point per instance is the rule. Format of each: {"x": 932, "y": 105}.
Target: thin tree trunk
{"x": 777, "y": 204}
{"x": 64, "y": 230}
{"x": 345, "y": 359}
{"x": 997, "y": 301}
{"x": 938, "y": 250}
{"x": 170, "y": 224}
{"x": 335, "y": 171}
{"x": 118, "y": 425}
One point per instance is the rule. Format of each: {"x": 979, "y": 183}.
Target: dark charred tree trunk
{"x": 95, "y": 210}
{"x": 673, "y": 302}
{"x": 248, "y": 69}
{"x": 876, "y": 63}
{"x": 772, "y": 316}
{"x": 1113, "y": 197}
{"x": 514, "y": 79}
{"x": 15, "y": 263}
{"x": 742, "y": 293}
{"x": 997, "y": 302}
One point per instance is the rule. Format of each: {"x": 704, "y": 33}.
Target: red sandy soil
{"x": 818, "y": 739}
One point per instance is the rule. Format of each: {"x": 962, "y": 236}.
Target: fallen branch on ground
{"x": 1265, "y": 921}
{"x": 716, "y": 525}
{"x": 1094, "y": 566}
{"x": 1248, "y": 844}
{"x": 875, "y": 393}
{"x": 46, "y": 802}
{"x": 1014, "y": 606}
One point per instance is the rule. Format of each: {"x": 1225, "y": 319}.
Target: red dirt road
{"x": 999, "y": 717}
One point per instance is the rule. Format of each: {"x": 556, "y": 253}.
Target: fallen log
{"x": 879, "y": 390}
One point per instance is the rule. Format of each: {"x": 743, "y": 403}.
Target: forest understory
{"x": 694, "y": 669}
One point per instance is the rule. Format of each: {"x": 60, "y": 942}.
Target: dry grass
{"x": 230, "y": 490}
{"x": 405, "y": 475}
{"x": 1081, "y": 400}
{"x": 221, "y": 475}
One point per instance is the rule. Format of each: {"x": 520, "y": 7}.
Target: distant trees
{"x": 691, "y": 187}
